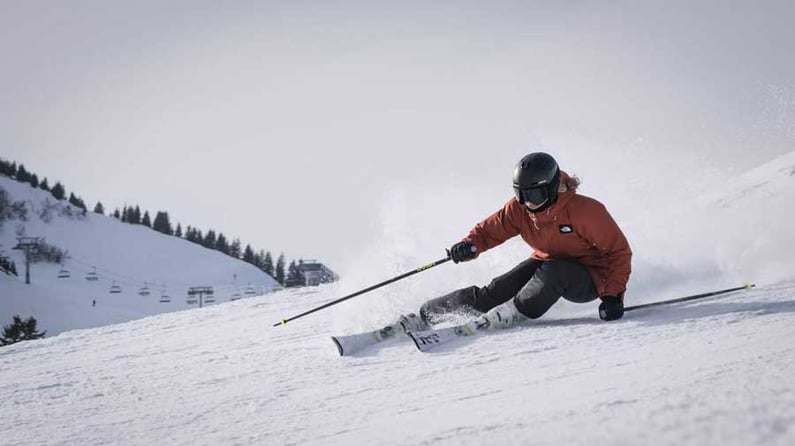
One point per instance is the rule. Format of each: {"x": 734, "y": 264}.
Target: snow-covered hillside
{"x": 131, "y": 256}
{"x": 717, "y": 371}
{"x": 712, "y": 371}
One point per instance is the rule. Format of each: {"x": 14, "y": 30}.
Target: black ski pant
{"x": 534, "y": 285}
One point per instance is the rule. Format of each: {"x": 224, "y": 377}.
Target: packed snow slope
{"x": 131, "y": 256}
{"x": 713, "y": 371}
{"x": 717, "y": 371}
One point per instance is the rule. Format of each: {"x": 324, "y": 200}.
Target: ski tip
{"x": 339, "y": 346}
{"x": 748, "y": 285}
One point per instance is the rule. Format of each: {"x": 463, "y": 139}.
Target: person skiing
{"x": 580, "y": 253}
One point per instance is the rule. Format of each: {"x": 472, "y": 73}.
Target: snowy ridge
{"x": 131, "y": 256}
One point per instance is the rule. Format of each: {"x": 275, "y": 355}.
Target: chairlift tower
{"x": 30, "y": 245}
{"x": 199, "y": 293}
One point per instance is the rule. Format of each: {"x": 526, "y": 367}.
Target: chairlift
{"x": 235, "y": 296}
{"x": 164, "y": 297}
{"x": 203, "y": 292}
{"x": 250, "y": 291}
{"x": 64, "y": 273}
{"x": 115, "y": 289}
{"x": 144, "y": 291}
{"x": 92, "y": 275}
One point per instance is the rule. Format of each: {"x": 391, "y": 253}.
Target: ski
{"x": 349, "y": 344}
{"x": 427, "y": 340}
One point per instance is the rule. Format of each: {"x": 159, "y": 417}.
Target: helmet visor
{"x": 536, "y": 195}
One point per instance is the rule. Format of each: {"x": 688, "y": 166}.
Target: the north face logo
{"x": 566, "y": 229}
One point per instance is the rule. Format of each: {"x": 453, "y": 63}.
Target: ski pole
{"x": 379, "y": 285}
{"x": 747, "y": 286}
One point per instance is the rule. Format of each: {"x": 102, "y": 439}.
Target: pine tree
{"x": 248, "y": 255}
{"x": 209, "y": 239}
{"x": 22, "y": 174}
{"x": 267, "y": 263}
{"x": 198, "y": 236}
{"x": 280, "y": 269}
{"x": 34, "y": 180}
{"x": 260, "y": 259}
{"x": 76, "y": 201}
{"x": 294, "y": 276}
{"x": 58, "y": 191}
{"x": 191, "y": 235}
{"x": 125, "y": 214}
{"x": 162, "y": 223}
{"x": 117, "y": 214}
{"x": 234, "y": 248}
{"x": 221, "y": 244}
{"x": 146, "y": 221}
{"x": 5, "y": 168}
{"x": 99, "y": 209}
{"x": 178, "y": 232}
{"x": 136, "y": 216}
{"x": 20, "y": 330}
{"x": 44, "y": 185}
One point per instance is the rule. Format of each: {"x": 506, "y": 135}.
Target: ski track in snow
{"x": 717, "y": 371}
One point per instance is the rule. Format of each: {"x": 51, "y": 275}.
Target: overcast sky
{"x": 314, "y": 127}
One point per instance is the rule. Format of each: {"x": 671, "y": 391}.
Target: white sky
{"x": 315, "y": 128}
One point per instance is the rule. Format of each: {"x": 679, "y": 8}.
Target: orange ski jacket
{"x": 576, "y": 228}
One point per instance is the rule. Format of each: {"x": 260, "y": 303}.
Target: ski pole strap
{"x": 746, "y": 286}
{"x": 371, "y": 288}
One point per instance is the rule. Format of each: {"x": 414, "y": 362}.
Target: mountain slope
{"x": 709, "y": 372}
{"x": 131, "y": 256}
{"x": 713, "y": 371}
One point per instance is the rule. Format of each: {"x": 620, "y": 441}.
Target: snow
{"x": 132, "y": 256}
{"x": 711, "y": 371}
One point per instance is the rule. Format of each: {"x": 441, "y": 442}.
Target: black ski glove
{"x": 462, "y": 251}
{"x": 611, "y": 308}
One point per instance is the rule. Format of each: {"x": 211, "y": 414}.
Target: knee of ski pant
{"x": 543, "y": 290}
{"x": 529, "y": 309}
{"x": 459, "y": 299}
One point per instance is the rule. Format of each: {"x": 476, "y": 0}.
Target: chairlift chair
{"x": 164, "y": 297}
{"x": 64, "y": 273}
{"x": 235, "y": 296}
{"x": 144, "y": 291}
{"x": 115, "y": 289}
{"x": 250, "y": 291}
{"x": 92, "y": 275}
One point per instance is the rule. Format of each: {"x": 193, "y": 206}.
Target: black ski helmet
{"x": 536, "y": 179}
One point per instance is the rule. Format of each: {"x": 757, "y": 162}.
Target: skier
{"x": 580, "y": 252}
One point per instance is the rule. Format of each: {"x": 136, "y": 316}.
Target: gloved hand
{"x": 462, "y": 251}
{"x": 611, "y": 308}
